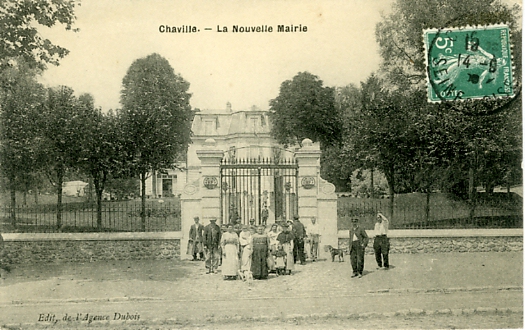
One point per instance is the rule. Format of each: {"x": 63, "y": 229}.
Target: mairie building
{"x": 241, "y": 134}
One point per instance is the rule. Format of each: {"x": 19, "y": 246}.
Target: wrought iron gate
{"x": 248, "y": 186}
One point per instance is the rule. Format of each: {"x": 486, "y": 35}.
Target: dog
{"x": 335, "y": 252}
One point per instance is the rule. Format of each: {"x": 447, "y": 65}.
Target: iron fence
{"x": 443, "y": 214}
{"x": 82, "y": 217}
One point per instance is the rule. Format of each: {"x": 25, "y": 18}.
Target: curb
{"x": 447, "y": 290}
{"x": 295, "y": 317}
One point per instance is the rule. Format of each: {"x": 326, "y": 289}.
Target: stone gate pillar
{"x": 317, "y": 197}
{"x": 210, "y": 158}
{"x": 201, "y": 197}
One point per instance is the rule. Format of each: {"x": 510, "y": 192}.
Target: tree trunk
{"x": 24, "y": 200}
{"x": 36, "y": 196}
{"x": 471, "y": 194}
{"x": 13, "y": 204}
{"x": 143, "y": 197}
{"x": 60, "y": 178}
{"x": 90, "y": 190}
{"x": 489, "y": 188}
{"x": 153, "y": 184}
{"x": 391, "y": 204}
{"x": 98, "y": 191}
{"x": 427, "y": 209}
{"x": 372, "y": 192}
{"x": 99, "y": 209}
{"x": 390, "y": 180}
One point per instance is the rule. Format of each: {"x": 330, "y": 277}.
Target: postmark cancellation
{"x": 469, "y": 63}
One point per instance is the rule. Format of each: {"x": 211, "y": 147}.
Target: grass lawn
{"x": 79, "y": 215}
{"x": 409, "y": 211}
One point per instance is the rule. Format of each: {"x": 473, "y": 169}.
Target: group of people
{"x": 247, "y": 251}
{"x": 250, "y": 251}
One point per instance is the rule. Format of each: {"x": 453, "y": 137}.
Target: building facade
{"x": 241, "y": 134}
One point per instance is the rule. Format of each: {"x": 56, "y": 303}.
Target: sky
{"x": 244, "y": 69}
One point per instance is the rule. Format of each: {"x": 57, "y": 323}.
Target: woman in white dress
{"x": 272, "y": 235}
{"x": 230, "y": 255}
{"x": 246, "y": 242}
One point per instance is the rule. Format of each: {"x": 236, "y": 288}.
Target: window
{"x": 254, "y": 124}
{"x": 209, "y": 127}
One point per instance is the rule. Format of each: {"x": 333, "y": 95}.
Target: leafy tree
{"x": 23, "y": 49}
{"x": 385, "y": 138}
{"x": 305, "y": 109}
{"x": 20, "y": 99}
{"x": 19, "y": 37}
{"x": 102, "y": 154}
{"x": 467, "y": 142}
{"x": 156, "y": 118}
{"x": 338, "y": 160}
{"x": 64, "y": 126}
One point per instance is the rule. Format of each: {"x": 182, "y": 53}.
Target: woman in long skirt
{"x": 230, "y": 256}
{"x": 246, "y": 242}
{"x": 272, "y": 236}
{"x": 260, "y": 255}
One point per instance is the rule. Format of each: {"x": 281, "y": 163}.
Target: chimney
{"x": 228, "y": 107}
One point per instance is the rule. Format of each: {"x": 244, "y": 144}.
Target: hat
{"x": 213, "y": 219}
{"x": 296, "y": 217}
{"x": 355, "y": 220}
{"x": 196, "y": 218}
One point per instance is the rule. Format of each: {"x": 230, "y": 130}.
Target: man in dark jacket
{"x": 358, "y": 243}
{"x": 195, "y": 240}
{"x": 212, "y": 240}
{"x": 298, "y": 243}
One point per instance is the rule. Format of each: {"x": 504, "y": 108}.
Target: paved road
{"x": 163, "y": 290}
{"x": 152, "y": 310}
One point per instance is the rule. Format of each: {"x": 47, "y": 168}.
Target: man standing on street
{"x": 195, "y": 241}
{"x": 314, "y": 237}
{"x": 212, "y": 239}
{"x": 381, "y": 241}
{"x": 298, "y": 244}
{"x": 358, "y": 243}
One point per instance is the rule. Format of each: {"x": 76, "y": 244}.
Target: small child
{"x": 279, "y": 257}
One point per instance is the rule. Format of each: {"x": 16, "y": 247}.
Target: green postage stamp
{"x": 469, "y": 63}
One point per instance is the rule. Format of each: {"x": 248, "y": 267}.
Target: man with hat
{"x": 358, "y": 243}
{"x": 195, "y": 240}
{"x": 212, "y": 240}
{"x": 298, "y": 244}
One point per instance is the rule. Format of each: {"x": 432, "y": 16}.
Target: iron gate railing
{"x": 250, "y": 185}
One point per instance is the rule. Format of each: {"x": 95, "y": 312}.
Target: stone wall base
{"x": 446, "y": 244}
{"x": 20, "y": 252}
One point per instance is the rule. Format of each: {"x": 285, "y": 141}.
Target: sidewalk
{"x": 415, "y": 281}
{"x": 181, "y": 280}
